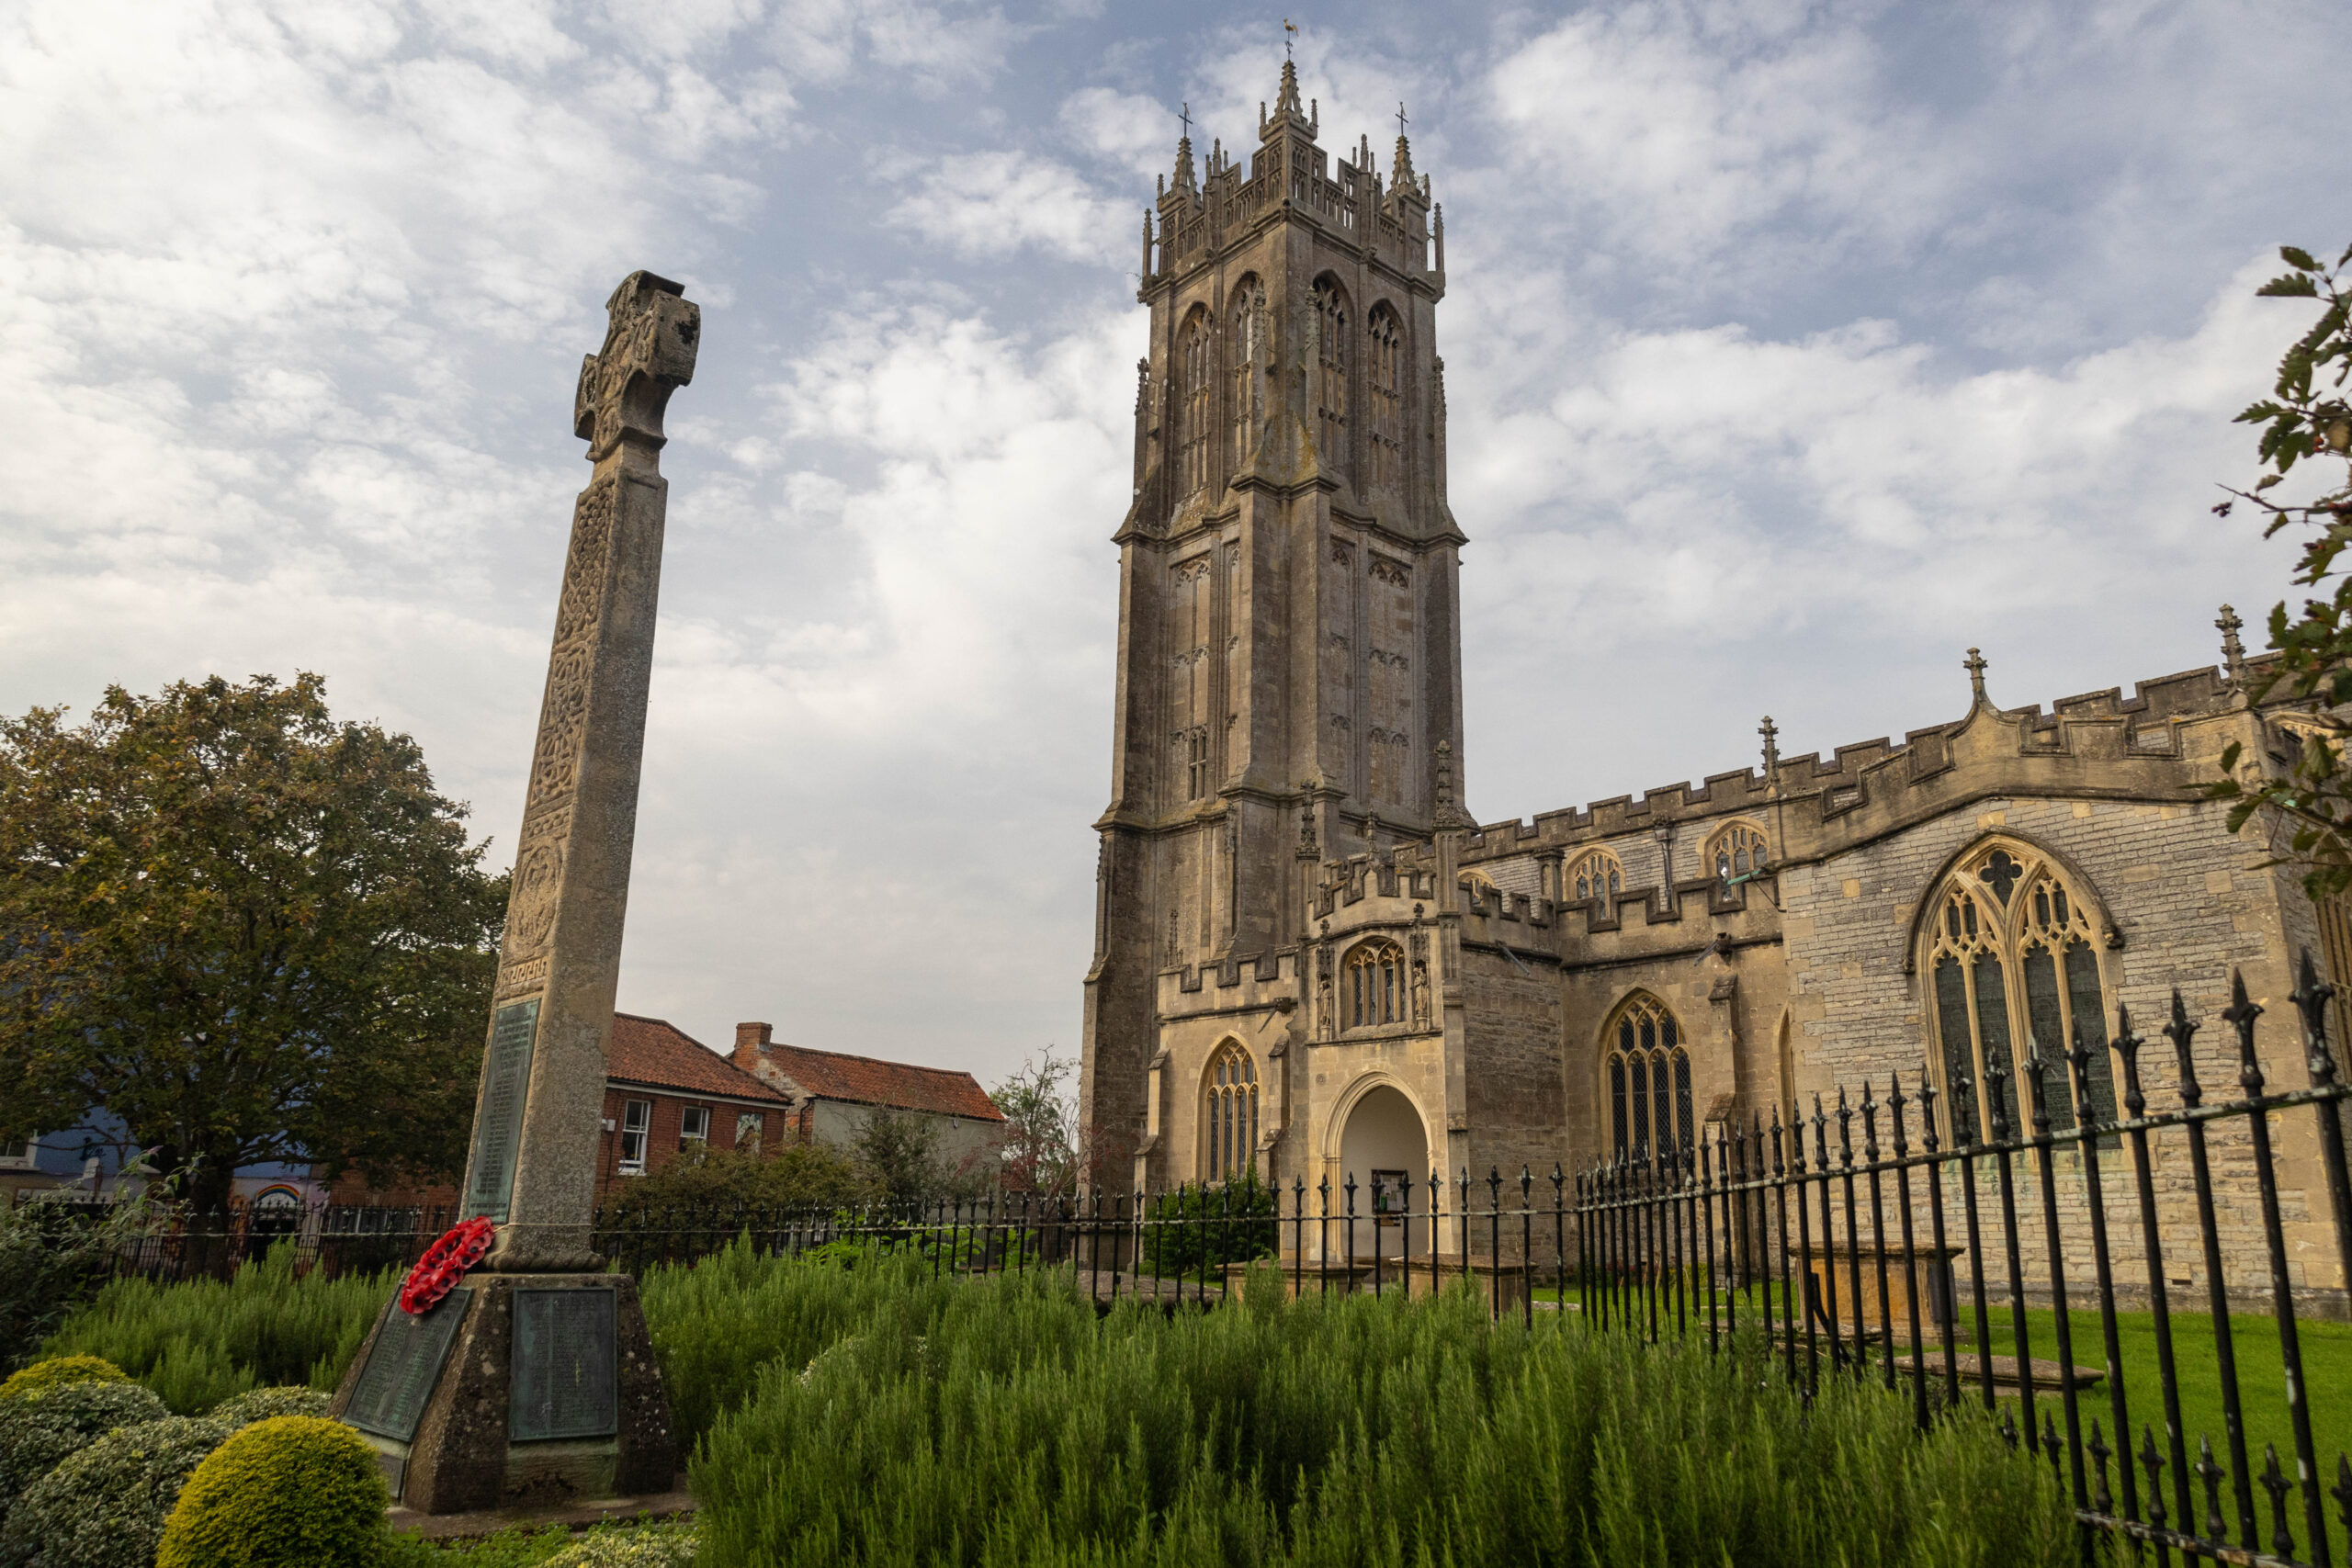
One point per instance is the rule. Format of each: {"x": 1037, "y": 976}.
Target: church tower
{"x": 1289, "y": 684}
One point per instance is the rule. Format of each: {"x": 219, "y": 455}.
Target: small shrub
{"x": 201, "y": 1341}
{"x": 104, "y": 1506}
{"x": 290, "y": 1491}
{"x": 40, "y": 1429}
{"x": 59, "y": 1370}
{"x": 262, "y": 1404}
{"x": 653, "y": 1547}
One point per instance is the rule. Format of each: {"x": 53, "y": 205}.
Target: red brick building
{"x": 665, "y": 1092}
{"x": 832, "y": 1093}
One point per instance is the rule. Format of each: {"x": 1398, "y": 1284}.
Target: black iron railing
{"x": 166, "y": 1242}
{"x": 1893, "y": 1260}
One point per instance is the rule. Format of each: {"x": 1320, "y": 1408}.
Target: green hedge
{"x": 1003, "y": 1421}
{"x": 716, "y": 1323}
{"x": 202, "y": 1341}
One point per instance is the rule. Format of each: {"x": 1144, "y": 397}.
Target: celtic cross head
{"x": 649, "y": 353}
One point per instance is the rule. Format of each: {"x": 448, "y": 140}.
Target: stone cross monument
{"x": 537, "y": 1124}
{"x": 533, "y": 1379}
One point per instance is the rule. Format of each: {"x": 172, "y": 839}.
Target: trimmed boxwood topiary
{"x": 104, "y": 1506}
{"x": 288, "y": 1491}
{"x": 261, "y": 1403}
{"x": 40, "y": 1429}
{"x": 59, "y": 1370}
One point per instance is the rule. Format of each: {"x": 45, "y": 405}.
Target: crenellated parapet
{"x": 1288, "y": 175}
{"x": 2157, "y": 744}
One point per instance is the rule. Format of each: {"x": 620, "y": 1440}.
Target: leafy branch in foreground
{"x": 2307, "y": 808}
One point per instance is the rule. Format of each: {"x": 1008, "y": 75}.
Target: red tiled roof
{"x": 902, "y": 1086}
{"x": 657, "y": 1052}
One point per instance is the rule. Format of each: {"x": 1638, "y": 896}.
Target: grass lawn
{"x": 2327, "y": 1375}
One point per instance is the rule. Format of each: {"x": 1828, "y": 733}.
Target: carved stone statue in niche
{"x": 1420, "y": 992}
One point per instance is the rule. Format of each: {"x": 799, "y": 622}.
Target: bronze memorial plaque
{"x": 402, "y": 1366}
{"x": 566, "y": 1355}
{"x": 498, "y": 1126}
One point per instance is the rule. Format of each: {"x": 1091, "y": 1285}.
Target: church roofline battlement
{"x": 1921, "y": 754}
{"x": 1201, "y": 220}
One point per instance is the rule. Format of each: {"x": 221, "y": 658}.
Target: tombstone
{"x": 533, "y": 1380}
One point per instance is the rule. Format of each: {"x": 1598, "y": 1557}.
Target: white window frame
{"x": 636, "y": 1127}
{"x": 755, "y": 1122}
{"x": 694, "y": 1125}
{"x": 24, "y": 1155}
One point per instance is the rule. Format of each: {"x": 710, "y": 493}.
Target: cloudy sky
{"x": 1791, "y": 348}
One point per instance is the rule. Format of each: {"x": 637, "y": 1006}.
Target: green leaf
{"x": 2297, "y": 258}
{"x": 2292, "y": 286}
{"x": 2268, "y": 481}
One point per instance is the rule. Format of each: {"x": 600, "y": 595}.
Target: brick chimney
{"x": 751, "y": 1039}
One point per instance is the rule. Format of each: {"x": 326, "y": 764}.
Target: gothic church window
{"x": 1649, "y": 1084}
{"x": 1598, "y": 876}
{"x": 1384, "y": 382}
{"x": 1196, "y": 763}
{"x": 1332, "y": 377}
{"x": 2012, "y": 969}
{"x": 1246, "y": 354}
{"x": 1736, "y": 850}
{"x": 1196, "y": 393}
{"x": 1229, "y": 1113}
{"x": 1376, "y": 985}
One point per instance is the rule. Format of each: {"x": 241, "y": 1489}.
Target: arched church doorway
{"x": 1385, "y": 1145}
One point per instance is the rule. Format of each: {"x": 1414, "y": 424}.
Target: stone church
{"x": 1310, "y": 962}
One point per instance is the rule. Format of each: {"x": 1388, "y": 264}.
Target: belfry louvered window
{"x": 1244, "y": 356}
{"x": 1196, "y": 393}
{"x": 1383, "y": 383}
{"x": 1229, "y": 1113}
{"x": 1651, "y": 1115}
{"x": 1330, "y": 376}
{"x": 2013, "y": 969}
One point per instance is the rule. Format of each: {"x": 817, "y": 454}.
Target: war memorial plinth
{"x": 533, "y": 1380}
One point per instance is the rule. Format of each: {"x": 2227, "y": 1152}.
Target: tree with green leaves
{"x": 2306, "y": 807}
{"x": 245, "y": 931}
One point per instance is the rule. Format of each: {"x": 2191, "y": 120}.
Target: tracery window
{"x": 1384, "y": 382}
{"x": 1196, "y": 390}
{"x": 1599, "y": 876}
{"x": 1375, "y": 983}
{"x": 1229, "y": 1113}
{"x": 1332, "y": 377}
{"x": 1246, "y": 354}
{"x": 2012, "y": 968}
{"x": 1649, "y": 1084}
{"x": 1196, "y": 763}
{"x": 1735, "y": 851}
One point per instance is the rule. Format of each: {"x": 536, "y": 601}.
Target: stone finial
{"x": 1289, "y": 111}
{"x": 1772, "y": 734}
{"x": 650, "y": 344}
{"x": 1146, "y": 241}
{"x": 1185, "y": 179}
{"x": 1975, "y": 666}
{"x": 2232, "y": 650}
{"x": 1447, "y": 814}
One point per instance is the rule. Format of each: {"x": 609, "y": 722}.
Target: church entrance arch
{"x": 1383, "y": 1143}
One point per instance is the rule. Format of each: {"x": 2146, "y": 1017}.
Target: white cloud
{"x": 990, "y": 204}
